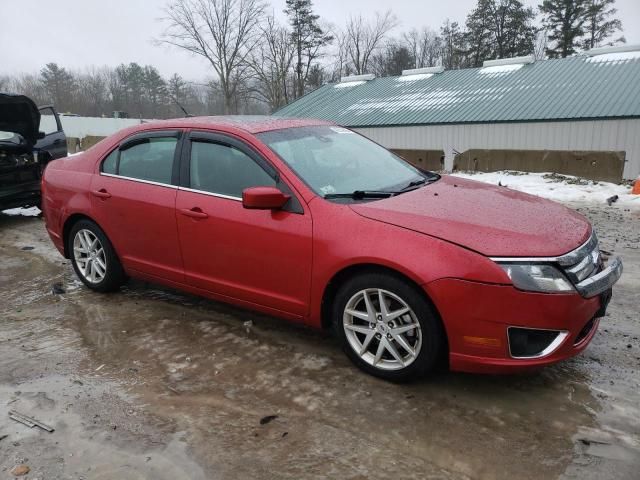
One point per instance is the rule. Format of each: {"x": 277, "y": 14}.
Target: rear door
{"x": 134, "y": 199}
{"x": 258, "y": 256}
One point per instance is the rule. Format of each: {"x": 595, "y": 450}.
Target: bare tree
{"x": 363, "y": 38}
{"x": 340, "y": 65}
{"x": 425, "y": 46}
{"x": 93, "y": 91}
{"x": 271, "y": 63}
{"x": 5, "y": 83}
{"x": 31, "y": 86}
{"x": 222, "y": 31}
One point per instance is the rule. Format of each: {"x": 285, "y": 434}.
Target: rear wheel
{"x": 93, "y": 257}
{"x": 387, "y": 327}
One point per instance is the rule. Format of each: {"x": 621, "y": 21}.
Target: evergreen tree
{"x": 599, "y": 24}
{"x": 453, "y": 46}
{"x": 513, "y": 30}
{"x": 58, "y": 84}
{"x": 308, "y": 39}
{"x": 499, "y": 29}
{"x": 135, "y": 83}
{"x": 478, "y": 34}
{"x": 564, "y": 20}
{"x": 155, "y": 90}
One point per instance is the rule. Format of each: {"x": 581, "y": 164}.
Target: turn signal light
{"x": 483, "y": 341}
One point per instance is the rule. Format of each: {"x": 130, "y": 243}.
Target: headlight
{"x": 536, "y": 277}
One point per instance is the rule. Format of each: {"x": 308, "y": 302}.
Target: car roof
{"x": 249, "y": 123}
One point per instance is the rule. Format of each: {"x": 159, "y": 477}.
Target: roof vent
{"x": 509, "y": 61}
{"x": 604, "y": 50}
{"x": 423, "y": 71}
{"x": 358, "y": 78}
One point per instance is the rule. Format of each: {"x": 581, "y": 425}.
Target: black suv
{"x": 27, "y": 144}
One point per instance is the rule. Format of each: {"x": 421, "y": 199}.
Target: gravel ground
{"x": 150, "y": 383}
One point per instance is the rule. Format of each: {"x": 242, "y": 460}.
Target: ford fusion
{"x": 314, "y": 223}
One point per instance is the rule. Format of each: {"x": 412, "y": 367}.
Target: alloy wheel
{"x": 89, "y": 256}
{"x": 382, "y": 329}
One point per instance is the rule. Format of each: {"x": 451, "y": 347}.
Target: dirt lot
{"x": 148, "y": 383}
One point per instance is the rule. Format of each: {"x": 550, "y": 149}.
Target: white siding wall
{"x": 80, "y": 127}
{"x": 606, "y": 135}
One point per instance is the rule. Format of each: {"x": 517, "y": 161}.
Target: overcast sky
{"x": 79, "y": 33}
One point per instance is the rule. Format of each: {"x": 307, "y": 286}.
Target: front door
{"x": 261, "y": 257}
{"x": 55, "y": 140}
{"x": 134, "y": 202}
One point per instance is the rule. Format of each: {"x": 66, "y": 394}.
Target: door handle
{"x": 195, "y": 212}
{"x": 102, "y": 193}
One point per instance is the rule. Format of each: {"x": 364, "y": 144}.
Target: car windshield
{"x": 333, "y": 161}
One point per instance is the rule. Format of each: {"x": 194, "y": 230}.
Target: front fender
{"x": 343, "y": 239}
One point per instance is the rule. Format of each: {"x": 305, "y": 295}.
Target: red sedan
{"x": 309, "y": 221}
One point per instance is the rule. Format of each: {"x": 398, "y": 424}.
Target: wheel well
{"x": 343, "y": 275}
{"x": 68, "y": 224}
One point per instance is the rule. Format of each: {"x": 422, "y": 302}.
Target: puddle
{"x": 185, "y": 383}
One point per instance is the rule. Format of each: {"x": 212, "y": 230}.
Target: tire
{"x": 419, "y": 328}
{"x": 96, "y": 264}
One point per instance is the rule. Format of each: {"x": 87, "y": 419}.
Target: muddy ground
{"x": 154, "y": 384}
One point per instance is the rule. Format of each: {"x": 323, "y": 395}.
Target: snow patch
{"x": 614, "y": 57}
{"x": 569, "y": 189}
{"x": 416, "y": 100}
{"x": 349, "y": 84}
{"x": 414, "y": 78}
{"x": 24, "y": 212}
{"x": 501, "y": 69}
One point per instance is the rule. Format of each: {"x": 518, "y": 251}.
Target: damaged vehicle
{"x": 30, "y": 137}
{"x": 312, "y": 222}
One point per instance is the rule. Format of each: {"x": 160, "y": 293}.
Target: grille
{"x": 583, "y": 262}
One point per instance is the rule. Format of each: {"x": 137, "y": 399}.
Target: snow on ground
{"x": 25, "y": 212}
{"x": 562, "y": 188}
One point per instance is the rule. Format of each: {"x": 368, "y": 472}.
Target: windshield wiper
{"x": 420, "y": 182}
{"x": 361, "y": 194}
{"x": 415, "y": 183}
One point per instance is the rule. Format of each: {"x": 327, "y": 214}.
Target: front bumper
{"x": 601, "y": 281}
{"x": 477, "y": 316}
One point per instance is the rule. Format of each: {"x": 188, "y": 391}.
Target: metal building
{"x": 577, "y": 115}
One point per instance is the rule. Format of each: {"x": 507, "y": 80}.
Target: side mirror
{"x": 41, "y": 135}
{"x": 263, "y": 198}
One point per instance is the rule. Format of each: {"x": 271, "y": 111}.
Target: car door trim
{"x": 140, "y": 180}
{"x": 211, "y": 194}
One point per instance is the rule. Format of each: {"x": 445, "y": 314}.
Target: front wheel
{"x": 93, "y": 257}
{"x": 387, "y": 327}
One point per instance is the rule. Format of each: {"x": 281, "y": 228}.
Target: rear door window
{"x": 150, "y": 160}
{"x": 145, "y": 158}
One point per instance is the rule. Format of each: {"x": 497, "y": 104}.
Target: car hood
{"x": 494, "y": 221}
{"x": 18, "y": 114}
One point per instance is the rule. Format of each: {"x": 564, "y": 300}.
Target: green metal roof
{"x": 581, "y": 87}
